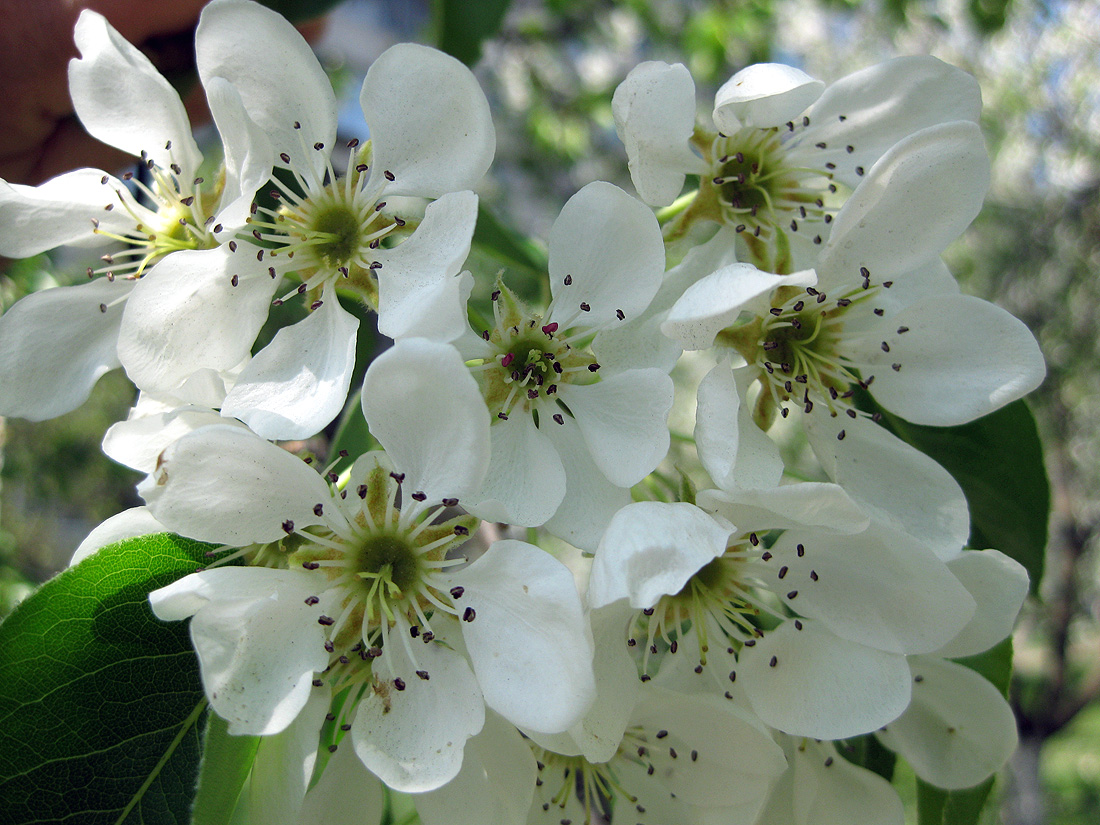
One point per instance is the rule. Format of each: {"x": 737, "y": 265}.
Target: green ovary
{"x": 337, "y": 229}
{"x": 389, "y": 557}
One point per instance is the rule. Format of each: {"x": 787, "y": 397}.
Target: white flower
{"x": 880, "y": 312}
{"x": 819, "y": 618}
{"x": 571, "y": 432}
{"x": 349, "y": 591}
{"x": 769, "y": 176}
{"x": 431, "y": 137}
{"x": 48, "y": 368}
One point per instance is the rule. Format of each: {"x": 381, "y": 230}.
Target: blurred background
{"x": 550, "y": 69}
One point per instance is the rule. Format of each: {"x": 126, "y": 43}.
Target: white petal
{"x": 734, "y": 451}
{"x": 609, "y": 245}
{"x": 958, "y": 730}
{"x": 224, "y": 484}
{"x": 624, "y": 419}
{"x": 918, "y": 198}
{"x": 960, "y": 358}
{"x": 529, "y": 641}
{"x": 418, "y": 293}
{"x": 930, "y": 280}
{"x": 248, "y": 154}
{"x": 884, "y": 103}
{"x": 590, "y": 499}
{"x": 877, "y": 588}
{"x": 870, "y": 464}
{"x": 412, "y": 739}
{"x": 806, "y": 504}
{"x": 426, "y": 410}
{"x": 999, "y": 585}
{"x": 299, "y": 382}
{"x": 722, "y": 758}
{"x": 429, "y": 122}
{"x": 273, "y": 68}
{"x": 185, "y": 314}
{"x": 284, "y": 764}
{"x": 139, "y": 441}
{"x": 137, "y": 521}
{"x": 651, "y": 549}
{"x": 762, "y": 96}
{"x": 715, "y": 302}
{"x": 122, "y": 100}
{"x": 525, "y": 481}
{"x": 346, "y": 793}
{"x": 258, "y": 642}
{"x": 494, "y": 786}
{"x": 59, "y": 212}
{"x": 830, "y": 790}
{"x": 654, "y": 110}
{"x": 822, "y": 686}
{"x": 54, "y": 346}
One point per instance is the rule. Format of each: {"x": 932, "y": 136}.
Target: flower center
{"x": 530, "y": 361}
{"x": 177, "y": 218}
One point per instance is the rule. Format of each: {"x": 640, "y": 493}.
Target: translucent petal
{"x": 999, "y": 585}
{"x": 137, "y": 521}
{"x": 248, "y": 155}
{"x": 762, "y": 96}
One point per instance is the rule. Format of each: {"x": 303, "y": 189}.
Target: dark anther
{"x": 389, "y": 175}
{"x": 558, "y": 418}
{"x": 420, "y": 495}
{"x": 318, "y": 509}
{"x": 318, "y": 683}
{"x": 288, "y": 526}
{"x": 326, "y": 620}
{"x": 450, "y": 502}
{"x": 423, "y": 674}
{"x": 312, "y": 600}
{"x": 461, "y": 531}
{"x": 285, "y": 157}
{"x": 456, "y": 592}
{"x": 468, "y": 615}
{"x": 585, "y": 307}
{"x": 399, "y": 683}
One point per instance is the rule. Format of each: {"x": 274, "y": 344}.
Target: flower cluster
{"x": 651, "y": 652}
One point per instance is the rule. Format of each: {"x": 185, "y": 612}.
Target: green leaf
{"x": 100, "y": 702}
{"x": 867, "y": 752}
{"x": 998, "y": 462}
{"x": 461, "y": 26}
{"x": 499, "y": 240}
{"x": 226, "y": 762}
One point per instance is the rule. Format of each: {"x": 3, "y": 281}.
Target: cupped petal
{"x": 948, "y": 360}
{"x": 590, "y": 499}
{"x": 859, "y": 117}
{"x": 958, "y": 730}
{"x": 283, "y": 87}
{"x": 224, "y": 484}
{"x": 429, "y": 120}
{"x": 122, "y": 100}
{"x": 525, "y": 481}
{"x": 495, "y": 784}
{"x": 731, "y": 760}
{"x": 258, "y": 641}
{"x": 196, "y": 308}
{"x": 62, "y": 211}
{"x": 346, "y": 793}
{"x": 999, "y": 585}
{"x": 284, "y": 765}
{"x": 299, "y": 382}
{"x": 735, "y": 452}
{"x": 412, "y": 738}
{"x": 137, "y": 521}
{"x": 55, "y": 344}
{"x": 806, "y": 504}
{"x": 830, "y": 790}
{"x": 418, "y": 291}
{"x": 893, "y": 482}
{"x": 606, "y": 254}
{"x": 763, "y": 96}
{"x": 715, "y": 302}
{"x": 426, "y": 410}
{"x": 248, "y": 154}
{"x": 654, "y": 111}
{"x": 651, "y": 549}
{"x": 138, "y": 442}
{"x": 805, "y": 681}
{"x": 878, "y": 588}
{"x": 624, "y": 419}
{"x": 918, "y": 198}
{"x": 529, "y": 640}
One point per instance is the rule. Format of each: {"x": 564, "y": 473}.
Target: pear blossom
{"x": 431, "y": 136}
{"x": 351, "y": 586}
{"x": 879, "y": 313}
{"x": 769, "y": 174}
{"x": 571, "y": 431}
{"x": 813, "y": 625}
{"x": 167, "y": 209}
